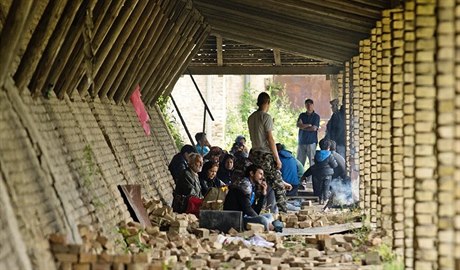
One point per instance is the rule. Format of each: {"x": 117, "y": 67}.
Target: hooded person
{"x": 322, "y": 171}
{"x": 226, "y": 169}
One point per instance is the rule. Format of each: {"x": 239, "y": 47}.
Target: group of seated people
{"x": 195, "y": 173}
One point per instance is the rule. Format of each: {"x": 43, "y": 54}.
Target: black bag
{"x": 179, "y": 203}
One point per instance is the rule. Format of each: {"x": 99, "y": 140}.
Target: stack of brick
{"x": 409, "y": 132}
{"x": 151, "y": 248}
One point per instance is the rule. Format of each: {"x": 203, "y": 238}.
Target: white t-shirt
{"x": 259, "y": 123}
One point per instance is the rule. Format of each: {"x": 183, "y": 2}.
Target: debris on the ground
{"x": 174, "y": 241}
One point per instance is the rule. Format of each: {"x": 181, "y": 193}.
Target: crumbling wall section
{"x": 61, "y": 162}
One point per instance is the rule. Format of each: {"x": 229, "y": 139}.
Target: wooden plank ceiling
{"x": 288, "y": 36}
{"x": 103, "y": 48}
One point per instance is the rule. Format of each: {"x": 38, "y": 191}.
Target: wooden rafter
{"x": 11, "y": 34}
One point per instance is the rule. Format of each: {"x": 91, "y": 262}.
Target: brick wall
{"x": 61, "y": 163}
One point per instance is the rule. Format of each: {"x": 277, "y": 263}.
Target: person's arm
{"x": 307, "y": 173}
{"x": 315, "y": 125}
{"x": 246, "y": 206}
{"x": 332, "y": 162}
{"x": 271, "y": 143}
{"x": 301, "y": 125}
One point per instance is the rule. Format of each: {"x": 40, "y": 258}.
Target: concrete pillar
{"x": 355, "y": 109}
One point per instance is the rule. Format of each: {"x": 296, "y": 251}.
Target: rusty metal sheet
{"x": 132, "y": 197}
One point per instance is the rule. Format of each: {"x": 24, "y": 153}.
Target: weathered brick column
{"x": 346, "y": 93}
{"x": 457, "y": 142}
{"x": 365, "y": 126}
{"x": 396, "y": 118}
{"x": 355, "y": 101}
{"x": 384, "y": 130}
{"x": 375, "y": 125}
{"x": 445, "y": 84}
{"x": 409, "y": 132}
{"x": 426, "y": 186}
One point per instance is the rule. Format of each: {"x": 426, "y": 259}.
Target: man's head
{"x": 263, "y": 100}
{"x": 200, "y": 137}
{"x": 255, "y": 173}
{"x": 334, "y": 105}
{"x": 240, "y": 140}
{"x": 309, "y": 105}
{"x": 280, "y": 147}
{"x": 186, "y": 150}
{"x": 325, "y": 144}
{"x": 195, "y": 162}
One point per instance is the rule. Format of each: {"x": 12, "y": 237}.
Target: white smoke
{"x": 341, "y": 193}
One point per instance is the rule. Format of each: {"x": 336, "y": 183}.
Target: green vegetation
{"x": 171, "y": 121}
{"x": 285, "y": 117}
{"x": 391, "y": 261}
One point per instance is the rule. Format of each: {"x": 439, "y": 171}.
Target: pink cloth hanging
{"x": 141, "y": 112}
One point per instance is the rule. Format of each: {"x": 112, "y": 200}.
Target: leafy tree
{"x": 284, "y": 115}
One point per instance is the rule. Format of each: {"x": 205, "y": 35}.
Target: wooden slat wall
{"x": 99, "y": 47}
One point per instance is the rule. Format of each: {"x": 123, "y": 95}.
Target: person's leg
{"x": 326, "y": 188}
{"x": 310, "y": 152}
{"x": 293, "y": 191}
{"x": 302, "y": 153}
{"x": 272, "y": 175}
{"x": 271, "y": 201}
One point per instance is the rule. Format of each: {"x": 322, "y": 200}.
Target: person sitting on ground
{"x": 188, "y": 183}
{"x": 208, "y": 177}
{"x": 240, "y": 165}
{"x": 322, "y": 171}
{"x": 240, "y": 146}
{"x": 248, "y": 195}
{"x": 215, "y": 154}
{"x": 202, "y": 146}
{"x": 289, "y": 169}
{"x": 226, "y": 169}
{"x": 180, "y": 161}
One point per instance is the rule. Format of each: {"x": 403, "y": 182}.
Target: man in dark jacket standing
{"x": 336, "y": 127}
{"x": 247, "y": 195}
{"x": 322, "y": 171}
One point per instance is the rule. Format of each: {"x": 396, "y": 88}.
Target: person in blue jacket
{"x": 289, "y": 169}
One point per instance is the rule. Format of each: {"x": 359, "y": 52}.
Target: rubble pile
{"x": 174, "y": 241}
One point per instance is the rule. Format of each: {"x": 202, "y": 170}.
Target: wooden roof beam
{"x": 134, "y": 24}
{"x": 182, "y": 67}
{"x": 151, "y": 59}
{"x": 304, "y": 31}
{"x": 75, "y": 69}
{"x": 11, "y": 35}
{"x": 271, "y": 10}
{"x": 240, "y": 70}
{"x": 199, "y": 31}
{"x": 219, "y": 44}
{"x": 102, "y": 83}
{"x": 277, "y": 57}
{"x": 316, "y": 50}
{"x": 38, "y": 42}
{"x": 37, "y": 83}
